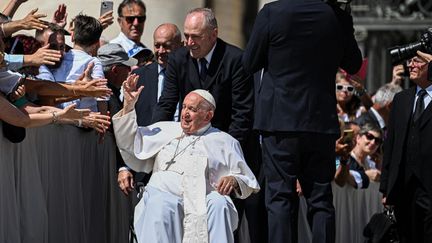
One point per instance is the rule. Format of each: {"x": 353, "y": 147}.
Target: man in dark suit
{"x": 406, "y": 180}
{"x": 300, "y": 44}
{"x": 207, "y": 62}
{"x": 166, "y": 39}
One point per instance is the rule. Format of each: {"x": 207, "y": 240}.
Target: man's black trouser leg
{"x": 310, "y": 158}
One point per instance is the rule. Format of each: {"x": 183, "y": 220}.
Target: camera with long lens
{"x": 405, "y": 52}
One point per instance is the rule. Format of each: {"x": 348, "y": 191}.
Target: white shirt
{"x": 427, "y": 98}
{"x": 378, "y": 117}
{"x": 208, "y": 58}
{"x": 161, "y": 78}
{"x": 125, "y": 42}
{"x": 72, "y": 67}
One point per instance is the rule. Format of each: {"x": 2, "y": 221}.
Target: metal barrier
{"x": 60, "y": 185}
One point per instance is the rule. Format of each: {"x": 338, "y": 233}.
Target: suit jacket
{"x": 149, "y": 77}
{"x": 394, "y": 147}
{"x": 226, "y": 80}
{"x": 300, "y": 44}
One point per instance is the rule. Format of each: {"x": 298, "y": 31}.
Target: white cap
{"x": 206, "y": 95}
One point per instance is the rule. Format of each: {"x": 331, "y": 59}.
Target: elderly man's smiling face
{"x": 418, "y": 69}
{"x": 194, "y": 115}
{"x": 199, "y": 38}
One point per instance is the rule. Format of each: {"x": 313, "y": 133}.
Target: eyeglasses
{"x": 416, "y": 62}
{"x": 131, "y": 19}
{"x": 371, "y": 137}
{"x": 348, "y": 88}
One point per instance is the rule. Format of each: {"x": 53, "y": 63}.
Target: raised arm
{"x": 31, "y": 21}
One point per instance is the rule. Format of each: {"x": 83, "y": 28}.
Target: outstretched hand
{"x": 44, "y": 56}
{"x": 32, "y": 21}
{"x": 94, "y": 88}
{"x": 60, "y": 16}
{"x": 69, "y": 112}
{"x": 86, "y": 75}
{"x": 131, "y": 93}
{"x": 97, "y": 121}
{"x": 85, "y": 86}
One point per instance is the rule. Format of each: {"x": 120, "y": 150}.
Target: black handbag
{"x": 382, "y": 228}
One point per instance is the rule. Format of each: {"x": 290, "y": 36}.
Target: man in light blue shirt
{"x": 87, "y": 31}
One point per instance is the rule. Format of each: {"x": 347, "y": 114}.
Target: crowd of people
{"x": 212, "y": 132}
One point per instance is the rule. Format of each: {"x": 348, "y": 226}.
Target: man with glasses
{"x": 406, "y": 180}
{"x": 196, "y": 168}
{"x": 131, "y": 18}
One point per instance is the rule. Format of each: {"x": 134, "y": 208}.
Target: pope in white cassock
{"x": 195, "y": 166}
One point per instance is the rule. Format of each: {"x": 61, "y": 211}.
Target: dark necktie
{"x": 203, "y": 67}
{"x": 419, "y": 106}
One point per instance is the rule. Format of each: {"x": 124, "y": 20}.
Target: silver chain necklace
{"x": 172, "y": 160}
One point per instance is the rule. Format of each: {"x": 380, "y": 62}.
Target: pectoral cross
{"x": 169, "y": 163}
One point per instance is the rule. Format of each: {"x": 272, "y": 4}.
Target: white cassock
{"x": 180, "y": 202}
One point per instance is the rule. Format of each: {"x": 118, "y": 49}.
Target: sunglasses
{"x": 371, "y": 137}
{"x": 131, "y": 19}
{"x": 348, "y": 88}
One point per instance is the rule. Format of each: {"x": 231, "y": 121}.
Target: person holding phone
{"x": 131, "y": 18}
{"x": 357, "y": 167}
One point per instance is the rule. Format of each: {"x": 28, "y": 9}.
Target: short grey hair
{"x": 367, "y": 127}
{"x": 386, "y": 93}
{"x": 209, "y": 17}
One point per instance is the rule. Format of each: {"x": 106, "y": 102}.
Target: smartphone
{"x": 20, "y": 82}
{"x": 348, "y": 136}
{"x": 106, "y": 6}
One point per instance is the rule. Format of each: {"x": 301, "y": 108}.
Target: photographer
{"x": 406, "y": 179}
